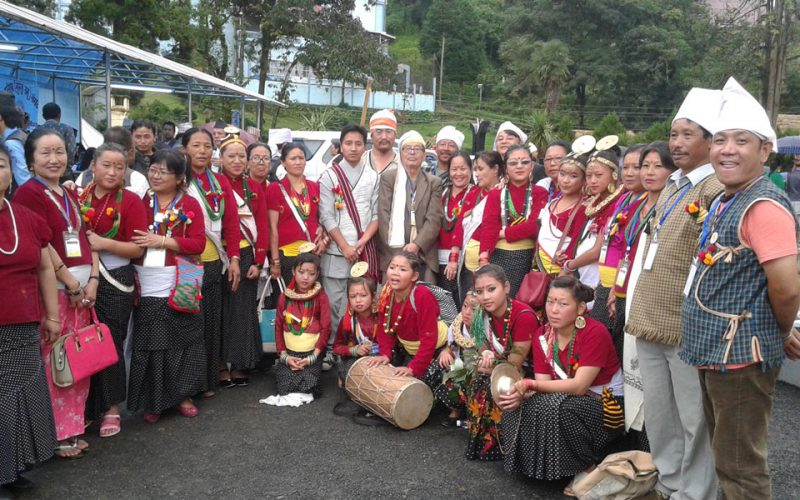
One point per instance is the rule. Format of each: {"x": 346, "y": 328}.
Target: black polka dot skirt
{"x": 27, "y": 429}
{"x": 211, "y": 309}
{"x": 552, "y": 436}
{"x": 168, "y": 363}
{"x": 306, "y": 380}
{"x": 433, "y": 374}
{"x": 241, "y": 334}
{"x": 516, "y": 264}
{"x": 343, "y": 366}
{"x": 113, "y": 307}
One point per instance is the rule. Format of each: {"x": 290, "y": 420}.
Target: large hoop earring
{"x": 611, "y": 187}
{"x": 580, "y": 322}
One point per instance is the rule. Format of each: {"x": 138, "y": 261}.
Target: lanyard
{"x": 551, "y": 191}
{"x": 65, "y": 212}
{"x": 682, "y": 191}
{"x": 155, "y": 209}
{"x": 712, "y": 220}
{"x": 636, "y": 225}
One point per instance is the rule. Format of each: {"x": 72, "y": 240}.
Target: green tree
{"x": 141, "y": 23}
{"x": 453, "y": 21}
{"x": 551, "y": 62}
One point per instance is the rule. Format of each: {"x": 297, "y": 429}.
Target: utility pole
{"x": 441, "y": 72}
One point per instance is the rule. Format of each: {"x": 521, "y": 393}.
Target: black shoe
{"x": 369, "y": 419}
{"x": 21, "y": 484}
{"x": 317, "y": 392}
{"x": 240, "y": 381}
{"x": 226, "y": 383}
{"x": 346, "y": 408}
{"x": 450, "y": 422}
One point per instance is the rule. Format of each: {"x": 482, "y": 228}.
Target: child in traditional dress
{"x": 355, "y": 337}
{"x": 302, "y": 326}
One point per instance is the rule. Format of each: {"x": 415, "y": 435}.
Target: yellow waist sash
{"x": 210, "y": 252}
{"x": 472, "y": 255}
{"x": 304, "y": 342}
{"x": 607, "y": 276}
{"x": 412, "y": 346}
{"x": 548, "y": 265}
{"x": 526, "y": 244}
{"x": 292, "y": 249}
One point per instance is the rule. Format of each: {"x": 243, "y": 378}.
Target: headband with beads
{"x": 580, "y": 146}
{"x": 605, "y": 144}
{"x": 231, "y": 138}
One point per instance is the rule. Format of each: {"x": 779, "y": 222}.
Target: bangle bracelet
{"x": 354, "y": 351}
{"x": 58, "y": 322}
{"x": 94, "y": 278}
{"x": 567, "y": 268}
{"x": 164, "y": 241}
{"x": 530, "y": 383}
{"x": 60, "y": 266}
{"x": 72, "y": 293}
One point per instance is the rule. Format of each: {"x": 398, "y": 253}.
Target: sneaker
{"x": 328, "y": 362}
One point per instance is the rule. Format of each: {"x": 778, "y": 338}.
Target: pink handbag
{"x": 79, "y": 355}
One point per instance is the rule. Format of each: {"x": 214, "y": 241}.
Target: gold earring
{"x": 580, "y": 322}
{"x": 611, "y": 187}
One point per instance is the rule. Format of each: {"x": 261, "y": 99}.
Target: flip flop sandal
{"x": 568, "y": 491}
{"x": 73, "y": 446}
{"x": 110, "y": 426}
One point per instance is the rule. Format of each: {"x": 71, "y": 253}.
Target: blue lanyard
{"x": 707, "y": 224}
{"x": 155, "y": 209}
{"x": 551, "y": 191}
{"x": 67, "y": 204}
{"x": 683, "y": 192}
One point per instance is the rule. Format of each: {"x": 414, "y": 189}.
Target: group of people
{"x": 672, "y": 294}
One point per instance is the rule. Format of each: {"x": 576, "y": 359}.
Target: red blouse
{"x": 592, "y": 347}
{"x": 19, "y": 278}
{"x": 492, "y": 224}
{"x": 454, "y": 237}
{"x": 230, "y": 217}
{"x": 346, "y": 337}
{"x": 320, "y": 320}
{"x": 418, "y": 323}
{"x": 258, "y": 206}
{"x": 560, "y": 220}
{"x": 522, "y": 323}
{"x": 131, "y": 212}
{"x": 191, "y": 238}
{"x": 33, "y": 195}
{"x": 290, "y": 229}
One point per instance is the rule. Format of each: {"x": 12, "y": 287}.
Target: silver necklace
{"x": 16, "y": 234}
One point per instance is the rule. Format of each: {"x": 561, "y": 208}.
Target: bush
{"x": 610, "y": 125}
{"x": 658, "y": 131}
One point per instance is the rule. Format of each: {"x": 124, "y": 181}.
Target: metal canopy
{"x": 35, "y": 43}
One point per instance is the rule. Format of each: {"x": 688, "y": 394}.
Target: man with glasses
{"x": 555, "y": 152}
{"x": 383, "y": 131}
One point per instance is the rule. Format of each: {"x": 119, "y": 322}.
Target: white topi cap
{"x": 450, "y": 133}
{"x": 741, "y": 111}
{"x": 700, "y": 106}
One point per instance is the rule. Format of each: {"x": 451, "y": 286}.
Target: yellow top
{"x": 304, "y": 342}
{"x": 472, "y": 255}
{"x": 526, "y": 244}
{"x": 412, "y": 346}
{"x": 292, "y": 249}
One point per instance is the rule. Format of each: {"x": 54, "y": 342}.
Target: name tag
{"x": 413, "y": 218}
{"x": 72, "y": 244}
{"x": 651, "y": 256}
{"x": 155, "y": 257}
{"x": 622, "y": 273}
{"x": 159, "y": 217}
{"x": 216, "y": 225}
{"x": 687, "y": 288}
{"x": 603, "y": 252}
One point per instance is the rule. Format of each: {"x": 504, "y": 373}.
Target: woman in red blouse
{"x": 561, "y": 221}
{"x": 168, "y": 364}
{"x": 30, "y": 305}
{"x": 510, "y": 228}
{"x": 458, "y": 199}
{"x": 76, "y": 268}
{"x": 241, "y": 337}
{"x": 293, "y": 204}
{"x": 215, "y": 195}
{"x": 409, "y": 314}
{"x": 259, "y": 162}
{"x": 501, "y": 332}
{"x": 111, "y": 215}
{"x": 602, "y": 174}
{"x": 559, "y": 424}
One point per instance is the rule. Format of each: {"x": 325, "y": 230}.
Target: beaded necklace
{"x": 14, "y": 230}
{"x": 509, "y": 215}
{"x": 479, "y": 326}
{"x": 297, "y": 326}
{"x": 303, "y": 203}
{"x": 450, "y": 217}
{"x": 390, "y": 330}
{"x": 570, "y": 348}
{"x": 88, "y": 213}
{"x": 592, "y": 210}
{"x": 248, "y": 195}
{"x": 215, "y": 191}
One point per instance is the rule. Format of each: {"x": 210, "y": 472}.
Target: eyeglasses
{"x": 259, "y": 159}
{"x": 159, "y": 172}
{"x": 413, "y": 149}
{"x": 523, "y": 163}
{"x": 553, "y": 159}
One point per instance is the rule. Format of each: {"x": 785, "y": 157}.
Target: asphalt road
{"x": 237, "y": 448}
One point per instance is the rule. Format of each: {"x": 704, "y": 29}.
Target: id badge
{"x": 72, "y": 244}
{"x": 603, "y": 252}
{"x": 651, "y": 256}
{"x": 690, "y": 279}
{"x": 413, "y": 218}
{"x": 622, "y": 273}
{"x": 155, "y": 257}
{"x": 216, "y": 225}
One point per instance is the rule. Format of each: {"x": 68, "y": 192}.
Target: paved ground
{"x": 238, "y": 448}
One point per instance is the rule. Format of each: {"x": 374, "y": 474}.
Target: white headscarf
{"x": 450, "y": 133}
{"x": 509, "y": 126}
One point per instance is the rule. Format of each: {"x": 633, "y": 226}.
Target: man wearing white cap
{"x": 672, "y": 401}
{"x": 448, "y": 142}
{"x": 383, "y": 131}
{"x": 743, "y": 296}
{"x": 410, "y": 208}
